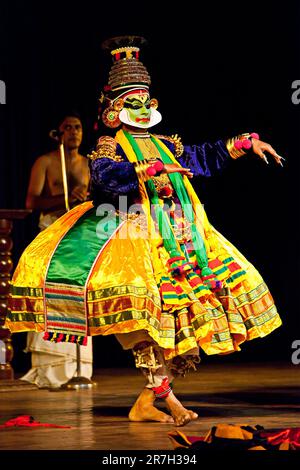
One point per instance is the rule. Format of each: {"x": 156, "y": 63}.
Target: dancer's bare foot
{"x": 180, "y": 414}
{"x": 144, "y": 410}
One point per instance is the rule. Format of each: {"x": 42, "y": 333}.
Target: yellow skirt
{"x": 128, "y": 288}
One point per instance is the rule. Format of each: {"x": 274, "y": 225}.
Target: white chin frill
{"x": 155, "y": 118}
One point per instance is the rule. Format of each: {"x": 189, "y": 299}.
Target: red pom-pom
{"x": 151, "y": 171}
{"x": 254, "y": 135}
{"x": 159, "y": 166}
{"x": 247, "y": 144}
{"x": 238, "y": 144}
{"x": 166, "y": 191}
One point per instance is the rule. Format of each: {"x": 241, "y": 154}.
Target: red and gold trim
{"x": 163, "y": 390}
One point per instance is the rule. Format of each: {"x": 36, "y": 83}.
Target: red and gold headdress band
{"x": 125, "y": 53}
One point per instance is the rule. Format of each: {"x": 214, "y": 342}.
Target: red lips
{"x": 142, "y": 119}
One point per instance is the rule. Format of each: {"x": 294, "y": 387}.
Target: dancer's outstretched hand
{"x": 259, "y": 147}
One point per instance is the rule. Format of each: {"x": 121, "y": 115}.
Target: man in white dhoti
{"x": 53, "y": 364}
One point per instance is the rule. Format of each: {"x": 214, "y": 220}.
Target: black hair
{"x": 67, "y": 113}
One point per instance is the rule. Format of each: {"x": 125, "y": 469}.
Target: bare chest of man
{"x": 77, "y": 175}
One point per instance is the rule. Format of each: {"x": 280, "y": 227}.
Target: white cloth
{"x": 154, "y": 377}
{"x": 53, "y": 364}
{"x": 47, "y": 219}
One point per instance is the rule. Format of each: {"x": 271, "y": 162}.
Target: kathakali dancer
{"x": 142, "y": 260}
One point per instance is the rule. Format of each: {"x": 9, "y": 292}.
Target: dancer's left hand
{"x": 259, "y": 147}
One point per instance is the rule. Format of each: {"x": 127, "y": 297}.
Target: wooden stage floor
{"x": 265, "y": 394}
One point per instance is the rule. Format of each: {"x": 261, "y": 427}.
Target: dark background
{"x": 217, "y": 69}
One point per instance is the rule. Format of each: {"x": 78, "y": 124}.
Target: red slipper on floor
{"x": 28, "y": 421}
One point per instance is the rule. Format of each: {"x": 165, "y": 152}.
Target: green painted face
{"x": 138, "y": 108}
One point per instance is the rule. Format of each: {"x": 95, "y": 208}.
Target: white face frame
{"x": 137, "y": 111}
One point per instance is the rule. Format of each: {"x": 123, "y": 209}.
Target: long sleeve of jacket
{"x": 206, "y": 159}
{"x": 113, "y": 177}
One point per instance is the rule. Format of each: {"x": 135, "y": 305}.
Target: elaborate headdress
{"x": 127, "y": 75}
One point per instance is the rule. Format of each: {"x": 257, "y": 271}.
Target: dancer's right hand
{"x": 172, "y": 168}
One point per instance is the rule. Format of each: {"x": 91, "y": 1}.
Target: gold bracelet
{"x": 140, "y": 168}
{"x": 234, "y": 152}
